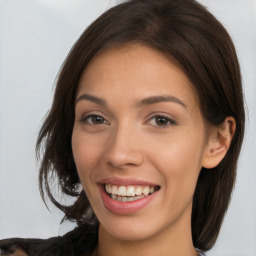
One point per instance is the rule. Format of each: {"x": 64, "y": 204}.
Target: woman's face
{"x": 138, "y": 141}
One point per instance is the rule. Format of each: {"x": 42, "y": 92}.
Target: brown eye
{"x": 94, "y": 120}
{"x": 97, "y": 120}
{"x": 162, "y": 121}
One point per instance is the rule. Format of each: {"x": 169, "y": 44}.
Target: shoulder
{"x": 77, "y": 242}
{"x": 9, "y": 248}
{"x": 56, "y": 246}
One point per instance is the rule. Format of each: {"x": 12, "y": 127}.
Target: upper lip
{"x": 125, "y": 181}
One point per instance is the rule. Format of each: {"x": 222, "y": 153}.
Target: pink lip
{"x": 125, "y": 182}
{"x": 123, "y": 208}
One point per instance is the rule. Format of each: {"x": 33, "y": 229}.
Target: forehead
{"x": 137, "y": 70}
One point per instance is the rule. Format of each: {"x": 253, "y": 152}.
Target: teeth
{"x": 122, "y": 191}
{"x": 146, "y": 190}
{"x": 124, "y": 199}
{"x": 129, "y": 193}
{"x": 114, "y": 197}
{"x": 139, "y": 191}
{"x": 113, "y": 190}
{"x": 108, "y": 188}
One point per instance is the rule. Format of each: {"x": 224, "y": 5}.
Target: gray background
{"x": 35, "y": 37}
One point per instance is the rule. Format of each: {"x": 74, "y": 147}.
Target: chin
{"x": 130, "y": 234}
{"x": 129, "y": 228}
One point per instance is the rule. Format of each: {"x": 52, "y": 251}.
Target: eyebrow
{"x": 161, "y": 98}
{"x": 147, "y": 101}
{"x": 94, "y": 99}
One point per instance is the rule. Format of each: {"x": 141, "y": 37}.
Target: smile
{"x": 129, "y": 193}
{"x": 127, "y": 196}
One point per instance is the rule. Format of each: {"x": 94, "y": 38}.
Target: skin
{"x": 129, "y": 140}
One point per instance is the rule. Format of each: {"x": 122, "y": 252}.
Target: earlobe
{"x": 219, "y": 142}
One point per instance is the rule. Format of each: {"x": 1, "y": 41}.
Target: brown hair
{"x": 185, "y": 31}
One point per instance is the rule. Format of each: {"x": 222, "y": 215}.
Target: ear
{"x": 219, "y": 141}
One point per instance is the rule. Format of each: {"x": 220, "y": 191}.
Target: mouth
{"x": 129, "y": 193}
{"x": 127, "y": 196}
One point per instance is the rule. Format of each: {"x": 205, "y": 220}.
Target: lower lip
{"x": 124, "y": 207}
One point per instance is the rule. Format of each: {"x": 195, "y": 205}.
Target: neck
{"x": 173, "y": 241}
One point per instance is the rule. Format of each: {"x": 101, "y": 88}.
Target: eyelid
{"x": 87, "y": 115}
{"x": 170, "y": 118}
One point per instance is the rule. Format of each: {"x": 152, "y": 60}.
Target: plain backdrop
{"x": 35, "y": 37}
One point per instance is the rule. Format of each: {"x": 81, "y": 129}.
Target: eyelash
{"x": 165, "y": 118}
{"x": 85, "y": 119}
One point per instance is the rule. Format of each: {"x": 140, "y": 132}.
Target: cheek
{"x": 178, "y": 158}
{"x": 86, "y": 154}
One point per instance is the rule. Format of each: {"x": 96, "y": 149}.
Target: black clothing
{"x": 75, "y": 243}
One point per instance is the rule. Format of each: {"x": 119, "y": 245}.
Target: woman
{"x": 148, "y": 117}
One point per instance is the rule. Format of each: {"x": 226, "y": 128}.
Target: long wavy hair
{"x": 186, "y": 32}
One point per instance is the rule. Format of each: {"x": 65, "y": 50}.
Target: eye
{"x": 94, "y": 120}
{"x": 161, "y": 121}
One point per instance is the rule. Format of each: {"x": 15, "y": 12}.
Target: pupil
{"x": 97, "y": 119}
{"x": 161, "y": 121}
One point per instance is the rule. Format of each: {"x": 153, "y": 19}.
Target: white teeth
{"x": 108, "y": 188}
{"x": 114, "y": 197}
{"x": 124, "y": 199}
{"x": 122, "y": 191}
{"x": 139, "y": 191}
{"x": 114, "y": 190}
{"x": 130, "y": 191}
{"x": 146, "y": 190}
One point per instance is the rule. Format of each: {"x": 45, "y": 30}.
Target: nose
{"x": 124, "y": 148}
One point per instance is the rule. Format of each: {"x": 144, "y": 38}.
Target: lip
{"x": 124, "y": 208}
{"x": 125, "y": 182}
